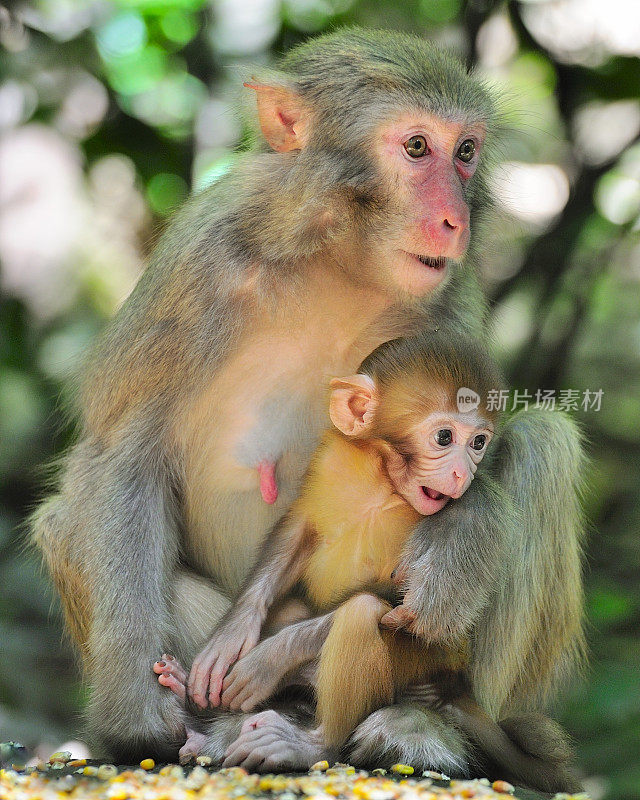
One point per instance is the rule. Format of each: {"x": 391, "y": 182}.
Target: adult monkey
{"x": 210, "y": 382}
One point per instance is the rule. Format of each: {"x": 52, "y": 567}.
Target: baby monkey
{"x": 399, "y": 450}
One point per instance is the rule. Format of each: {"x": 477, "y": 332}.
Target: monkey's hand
{"x": 399, "y": 618}
{"x": 254, "y": 678}
{"x": 231, "y": 641}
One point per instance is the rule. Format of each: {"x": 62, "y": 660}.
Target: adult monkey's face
{"x": 427, "y": 164}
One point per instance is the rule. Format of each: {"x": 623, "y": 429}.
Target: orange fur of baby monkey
{"x": 359, "y": 522}
{"x": 360, "y": 526}
{"x": 380, "y": 663}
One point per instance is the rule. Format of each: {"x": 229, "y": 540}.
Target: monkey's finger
{"x": 230, "y": 678}
{"x": 171, "y": 682}
{"x": 176, "y": 667}
{"x": 249, "y": 695}
{"x": 199, "y": 681}
{"x": 229, "y": 694}
{"x": 218, "y": 674}
{"x": 251, "y": 702}
{"x": 248, "y": 698}
{"x": 243, "y": 746}
{"x": 259, "y": 754}
{"x": 249, "y": 741}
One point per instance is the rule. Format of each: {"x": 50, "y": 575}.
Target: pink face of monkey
{"x": 437, "y": 458}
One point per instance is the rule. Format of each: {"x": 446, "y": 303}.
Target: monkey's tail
{"x": 355, "y": 674}
{"x": 539, "y": 756}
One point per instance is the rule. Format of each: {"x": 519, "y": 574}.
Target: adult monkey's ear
{"x": 352, "y": 404}
{"x": 284, "y": 119}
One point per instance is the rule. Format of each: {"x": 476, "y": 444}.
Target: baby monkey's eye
{"x": 467, "y": 150}
{"x": 444, "y": 437}
{"x": 416, "y": 146}
{"x": 479, "y": 442}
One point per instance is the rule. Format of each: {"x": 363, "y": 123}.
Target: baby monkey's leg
{"x": 357, "y": 671}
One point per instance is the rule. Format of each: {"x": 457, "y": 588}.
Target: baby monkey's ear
{"x": 352, "y": 404}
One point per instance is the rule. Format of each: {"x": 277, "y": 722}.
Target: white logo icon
{"x": 467, "y": 400}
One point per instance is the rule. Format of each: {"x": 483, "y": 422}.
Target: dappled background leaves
{"x": 111, "y": 112}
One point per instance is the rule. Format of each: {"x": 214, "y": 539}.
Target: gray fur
{"x": 409, "y": 734}
{"x": 114, "y": 533}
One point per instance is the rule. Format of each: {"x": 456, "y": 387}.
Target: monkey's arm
{"x": 275, "y": 663}
{"x": 279, "y": 567}
{"x": 455, "y": 560}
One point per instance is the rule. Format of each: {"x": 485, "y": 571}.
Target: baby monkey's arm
{"x": 278, "y": 568}
{"x": 276, "y": 662}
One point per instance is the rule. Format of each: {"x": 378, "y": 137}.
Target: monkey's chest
{"x": 265, "y": 410}
{"x": 356, "y": 552}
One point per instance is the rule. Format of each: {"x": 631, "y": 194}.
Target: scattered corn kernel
{"x": 320, "y": 766}
{"x": 172, "y": 782}
{"x": 77, "y": 762}
{"x": 203, "y": 761}
{"x": 147, "y": 763}
{"x": 402, "y": 769}
{"x": 60, "y": 757}
{"x": 107, "y": 771}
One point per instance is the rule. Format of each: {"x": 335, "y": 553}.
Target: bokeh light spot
{"x": 122, "y": 35}
{"x": 617, "y": 197}
{"x": 178, "y": 26}
{"x": 165, "y": 191}
{"x": 440, "y": 11}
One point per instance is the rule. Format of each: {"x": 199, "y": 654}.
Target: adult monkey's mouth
{"x": 435, "y": 263}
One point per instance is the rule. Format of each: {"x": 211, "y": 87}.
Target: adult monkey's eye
{"x": 479, "y": 442}
{"x": 416, "y": 146}
{"x": 444, "y": 437}
{"x": 467, "y": 150}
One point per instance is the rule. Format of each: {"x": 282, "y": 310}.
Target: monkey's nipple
{"x": 268, "y": 485}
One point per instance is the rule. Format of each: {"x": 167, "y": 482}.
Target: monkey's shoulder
{"x": 347, "y": 491}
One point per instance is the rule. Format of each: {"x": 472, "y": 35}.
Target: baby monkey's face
{"x": 438, "y": 458}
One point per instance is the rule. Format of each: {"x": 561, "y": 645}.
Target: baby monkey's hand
{"x": 399, "y": 618}
{"x": 231, "y": 641}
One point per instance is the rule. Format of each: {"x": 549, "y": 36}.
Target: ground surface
{"x": 79, "y": 780}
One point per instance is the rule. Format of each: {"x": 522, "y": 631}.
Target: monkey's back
{"x": 360, "y": 523}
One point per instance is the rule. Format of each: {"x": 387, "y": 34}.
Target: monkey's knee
{"x": 363, "y": 607}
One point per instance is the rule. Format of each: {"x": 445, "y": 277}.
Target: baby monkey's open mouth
{"x": 432, "y": 493}
{"x": 434, "y": 263}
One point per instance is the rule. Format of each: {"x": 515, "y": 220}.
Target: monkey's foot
{"x": 195, "y": 745}
{"x": 172, "y": 675}
{"x": 269, "y": 742}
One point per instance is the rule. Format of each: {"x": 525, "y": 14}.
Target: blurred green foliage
{"x": 110, "y": 111}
